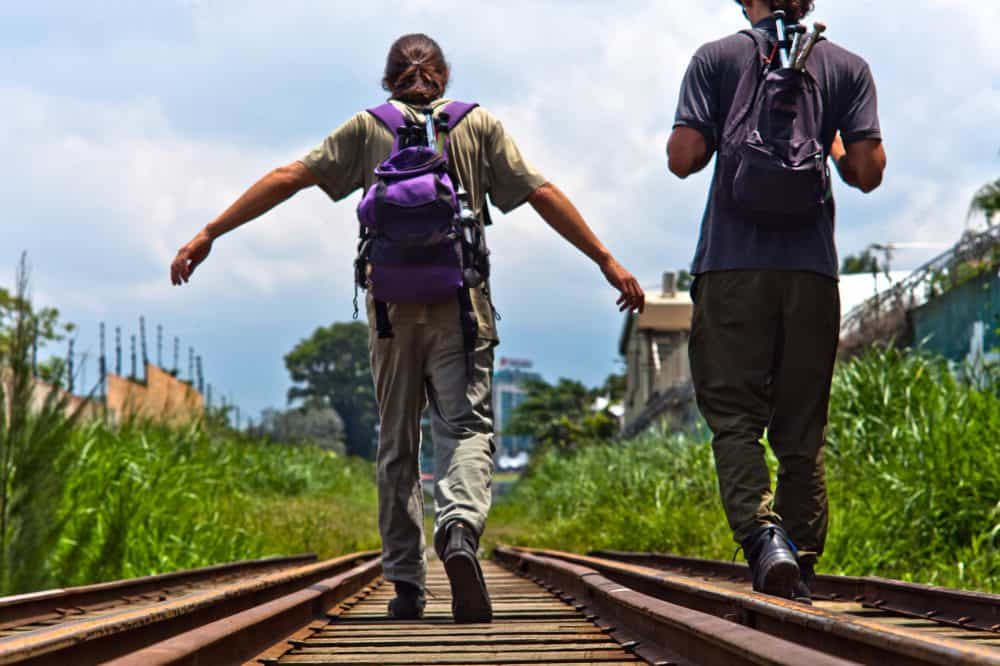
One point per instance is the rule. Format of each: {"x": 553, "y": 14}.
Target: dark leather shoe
{"x": 803, "y": 589}
{"x": 470, "y": 601}
{"x": 773, "y": 561}
{"x": 408, "y": 604}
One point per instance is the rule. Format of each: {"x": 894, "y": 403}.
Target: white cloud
{"x": 119, "y": 148}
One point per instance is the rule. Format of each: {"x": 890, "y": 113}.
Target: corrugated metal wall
{"x": 949, "y": 321}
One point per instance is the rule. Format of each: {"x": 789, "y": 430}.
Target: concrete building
{"x": 508, "y": 393}
{"x": 655, "y": 347}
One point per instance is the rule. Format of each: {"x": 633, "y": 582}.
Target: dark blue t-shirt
{"x": 850, "y": 105}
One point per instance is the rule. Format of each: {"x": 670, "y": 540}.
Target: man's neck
{"x": 758, "y": 12}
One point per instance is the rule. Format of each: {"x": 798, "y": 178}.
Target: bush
{"x": 913, "y": 467}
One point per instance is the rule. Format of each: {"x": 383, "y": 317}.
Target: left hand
{"x": 189, "y": 257}
{"x": 632, "y": 297}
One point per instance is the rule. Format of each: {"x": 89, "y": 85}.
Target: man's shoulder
{"x": 839, "y": 57}
{"x": 737, "y": 45}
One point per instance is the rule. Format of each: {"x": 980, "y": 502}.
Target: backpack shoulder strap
{"x": 392, "y": 118}
{"x": 457, "y": 111}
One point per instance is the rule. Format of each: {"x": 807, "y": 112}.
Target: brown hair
{"x": 415, "y": 70}
{"x": 795, "y": 10}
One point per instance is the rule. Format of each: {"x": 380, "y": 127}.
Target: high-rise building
{"x": 508, "y": 393}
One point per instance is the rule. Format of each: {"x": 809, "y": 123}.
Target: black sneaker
{"x": 409, "y": 602}
{"x": 773, "y": 562}
{"x": 803, "y": 589}
{"x": 470, "y": 601}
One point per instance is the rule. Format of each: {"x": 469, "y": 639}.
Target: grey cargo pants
{"x": 425, "y": 363}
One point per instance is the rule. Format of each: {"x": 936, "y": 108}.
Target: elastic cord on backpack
{"x": 470, "y": 327}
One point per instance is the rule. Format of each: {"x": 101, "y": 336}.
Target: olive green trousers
{"x": 762, "y": 349}
{"x": 424, "y": 364}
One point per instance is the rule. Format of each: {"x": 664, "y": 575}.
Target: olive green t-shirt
{"x": 482, "y": 154}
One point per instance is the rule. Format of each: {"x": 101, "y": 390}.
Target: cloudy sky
{"x": 127, "y": 126}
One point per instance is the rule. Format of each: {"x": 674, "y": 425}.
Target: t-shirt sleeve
{"x": 337, "y": 162}
{"x": 511, "y": 179}
{"x": 698, "y": 104}
{"x": 859, "y": 119}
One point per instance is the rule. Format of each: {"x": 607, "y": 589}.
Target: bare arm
{"x": 560, "y": 214}
{"x": 687, "y": 152}
{"x": 861, "y": 164}
{"x": 277, "y": 186}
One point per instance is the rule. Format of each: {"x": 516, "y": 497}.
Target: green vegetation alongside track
{"x": 914, "y": 478}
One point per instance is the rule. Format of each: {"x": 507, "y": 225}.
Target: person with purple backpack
{"x": 772, "y": 105}
{"x": 426, "y": 165}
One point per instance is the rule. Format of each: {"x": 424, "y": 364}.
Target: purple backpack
{"x": 420, "y": 242}
{"x": 772, "y": 162}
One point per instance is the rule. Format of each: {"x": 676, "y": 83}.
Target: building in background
{"x": 508, "y": 393}
{"x": 654, "y": 344}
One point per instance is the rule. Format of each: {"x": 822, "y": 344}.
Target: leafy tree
{"x": 986, "y": 201}
{"x": 562, "y": 415}
{"x": 332, "y": 367}
{"x": 315, "y": 422}
{"x": 684, "y": 280}
{"x": 863, "y": 262}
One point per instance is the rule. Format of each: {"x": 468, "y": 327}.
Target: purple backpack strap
{"x": 456, "y": 112}
{"x": 392, "y": 118}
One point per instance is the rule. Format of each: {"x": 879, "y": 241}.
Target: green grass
{"x": 143, "y": 499}
{"x": 914, "y": 478}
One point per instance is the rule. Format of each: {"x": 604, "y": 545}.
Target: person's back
{"x": 434, "y": 352}
{"x": 766, "y": 321}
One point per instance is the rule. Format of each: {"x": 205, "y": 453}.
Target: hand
{"x": 632, "y": 297}
{"x": 190, "y": 257}
{"x": 837, "y": 150}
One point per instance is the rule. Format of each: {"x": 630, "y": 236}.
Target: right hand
{"x": 632, "y": 297}
{"x": 190, "y": 257}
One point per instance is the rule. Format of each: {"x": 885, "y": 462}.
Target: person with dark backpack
{"x": 773, "y": 104}
{"x": 426, "y": 165}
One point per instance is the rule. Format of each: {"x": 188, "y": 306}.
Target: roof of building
{"x": 664, "y": 312}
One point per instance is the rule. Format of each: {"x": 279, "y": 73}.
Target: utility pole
{"x": 201, "y": 376}
{"x": 34, "y": 352}
{"x": 102, "y": 367}
{"x": 118, "y": 350}
{"x": 191, "y": 364}
{"x": 208, "y": 396}
{"x": 177, "y": 356}
{"x": 133, "y": 376}
{"x": 145, "y": 355}
{"x": 69, "y": 367}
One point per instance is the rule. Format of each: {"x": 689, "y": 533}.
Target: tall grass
{"x": 143, "y": 498}
{"x": 86, "y": 502}
{"x": 913, "y": 467}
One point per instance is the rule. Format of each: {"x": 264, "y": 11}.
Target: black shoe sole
{"x": 781, "y": 579}
{"x": 470, "y": 601}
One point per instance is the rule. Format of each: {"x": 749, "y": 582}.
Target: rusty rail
{"x": 72, "y": 600}
{"x": 659, "y": 631}
{"x": 958, "y": 608}
{"x": 286, "y": 595}
{"x": 851, "y": 637}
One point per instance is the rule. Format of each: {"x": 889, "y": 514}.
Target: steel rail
{"x": 97, "y": 640}
{"x": 958, "y": 608}
{"x": 655, "y": 629}
{"x": 853, "y": 638}
{"x": 64, "y": 601}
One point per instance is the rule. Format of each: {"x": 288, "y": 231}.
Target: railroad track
{"x": 550, "y": 608}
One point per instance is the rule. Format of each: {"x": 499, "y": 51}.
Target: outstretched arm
{"x": 861, "y": 164}
{"x": 265, "y": 194}
{"x": 560, "y": 214}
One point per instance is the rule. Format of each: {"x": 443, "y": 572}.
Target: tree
{"x": 863, "y": 262}
{"x": 562, "y": 415}
{"x": 986, "y": 201}
{"x": 684, "y": 280}
{"x": 314, "y": 423}
{"x": 332, "y": 367}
